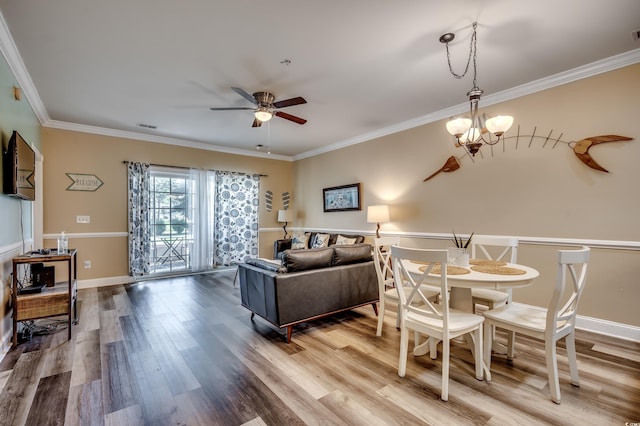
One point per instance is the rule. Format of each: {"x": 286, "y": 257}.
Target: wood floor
{"x": 183, "y": 351}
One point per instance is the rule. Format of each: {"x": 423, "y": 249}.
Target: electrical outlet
{"x": 87, "y": 264}
{"x": 83, "y": 219}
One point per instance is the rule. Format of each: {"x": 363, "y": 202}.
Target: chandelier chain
{"x": 472, "y": 53}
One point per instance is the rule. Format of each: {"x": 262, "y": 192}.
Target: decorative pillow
{"x": 321, "y": 240}
{"x": 299, "y": 240}
{"x": 344, "y": 241}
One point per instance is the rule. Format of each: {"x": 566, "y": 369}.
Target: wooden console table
{"x": 51, "y": 301}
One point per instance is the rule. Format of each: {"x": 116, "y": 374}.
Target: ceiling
{"x": 366, "y": 67}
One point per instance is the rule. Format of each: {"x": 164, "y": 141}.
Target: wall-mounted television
{"x": 19, "y": 169}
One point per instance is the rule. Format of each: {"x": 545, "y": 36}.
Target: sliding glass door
{"x": 171, "y": 221}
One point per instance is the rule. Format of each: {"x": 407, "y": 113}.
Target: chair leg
{"x": 552, "y": 369}
{"x": 511, "y": 344}
{"x": 380, "y": 318}
{"x": 573, "y": 362}
{"x": 404, "y": 349}
{"x": 445, "y": 369}
{"x": 478, "y": 353}
{"x": 488, "y": 344}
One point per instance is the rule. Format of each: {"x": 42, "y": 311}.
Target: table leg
{"x": 460, "y": 299}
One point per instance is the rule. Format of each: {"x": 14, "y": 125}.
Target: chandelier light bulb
{"x": 263, "y": 114}
{"x": 458, "y": 126}
{"x": 499, "y": 125}
{"x": 471, "y": 135}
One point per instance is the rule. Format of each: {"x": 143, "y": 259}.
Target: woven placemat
{"x": 487, "y": 262}
{"x": 451, "y": 270}
{"x": 498, "y": 270}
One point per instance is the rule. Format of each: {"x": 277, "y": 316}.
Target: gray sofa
{"x": 309, "y": 284}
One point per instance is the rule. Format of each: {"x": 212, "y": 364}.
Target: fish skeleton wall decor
{"x": 580, "y": 149}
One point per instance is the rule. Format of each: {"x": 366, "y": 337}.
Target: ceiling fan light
{"x": 263, "y": 114}
{"x": 458, "y": 126}
{"x": 499, "y": 124}
{"x": 471, "y": 135}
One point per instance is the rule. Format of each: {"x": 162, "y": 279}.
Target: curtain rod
{"x": 189, "y": 168}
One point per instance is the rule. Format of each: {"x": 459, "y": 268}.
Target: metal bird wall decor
{"x": 580, "y": 149}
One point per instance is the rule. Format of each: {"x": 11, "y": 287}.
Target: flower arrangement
{"x": 459, "y": 242}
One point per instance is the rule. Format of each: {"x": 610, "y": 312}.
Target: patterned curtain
{"x": 236, "y": 218}
{"x": 138, "y": 218}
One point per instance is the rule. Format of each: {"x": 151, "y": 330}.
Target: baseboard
{"x": 104, "y": 282}
{"x": 608, "y": 328}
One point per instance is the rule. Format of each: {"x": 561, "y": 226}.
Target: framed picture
{"x": 341, "y": 198}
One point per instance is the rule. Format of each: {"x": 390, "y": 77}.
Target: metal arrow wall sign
{"x": 83, "y": 182}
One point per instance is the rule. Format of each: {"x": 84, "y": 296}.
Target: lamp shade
{"x": 285, "y": 215}
{"x": 458, "y": 126}
{"x": 499, "y": 124}
{"x": 471, "y": 135}
{"x": 263, "y": 114}
{"x": 377, "y": 214}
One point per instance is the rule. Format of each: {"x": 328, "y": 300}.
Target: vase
{"x": 458, "y": 256}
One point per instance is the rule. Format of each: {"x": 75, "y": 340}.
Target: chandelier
{"x": 468, "y": 131}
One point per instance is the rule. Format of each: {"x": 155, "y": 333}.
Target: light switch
{"x": 83, "y": 219}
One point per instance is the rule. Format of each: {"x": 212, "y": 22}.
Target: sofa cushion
{"x": 344, "y": 255}
{"x": 341, "y": 240}
{"x": 320, "y": 240}
{"x": 300, "y": 240}
{"x": 304, "y": 260}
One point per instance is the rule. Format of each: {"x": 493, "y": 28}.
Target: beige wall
{"x": 537, "y": 191}
{"x": 75, "y": 152}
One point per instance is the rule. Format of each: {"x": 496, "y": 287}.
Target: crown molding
{"x": 63, "y": 125}
{"x": 608, "y": 64}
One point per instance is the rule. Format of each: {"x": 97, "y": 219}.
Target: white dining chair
{"x": 498, "y": 248}
{"x": 386, "y": 288}
{"x": 555, "y": 323}
{"x": 435, "y": 320}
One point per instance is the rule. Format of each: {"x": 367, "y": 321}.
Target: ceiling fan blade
{"x": 290, "y": 117}
{"x": 230, "y": 108}
{"x": 245, "y": 95}
{"x": 256, "y": 123}
{"x": 289, "y": 102}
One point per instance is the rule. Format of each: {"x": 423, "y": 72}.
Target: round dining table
{"x": 461, "y": 279}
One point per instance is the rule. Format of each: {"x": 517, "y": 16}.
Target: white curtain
{"x": 203, "y": 200}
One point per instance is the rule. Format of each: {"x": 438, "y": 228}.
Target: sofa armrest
{"x": 279, "y": 246}
{"x": 269, "y": 265}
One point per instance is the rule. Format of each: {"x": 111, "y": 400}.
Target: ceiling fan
{"x": 265, "y": 108}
